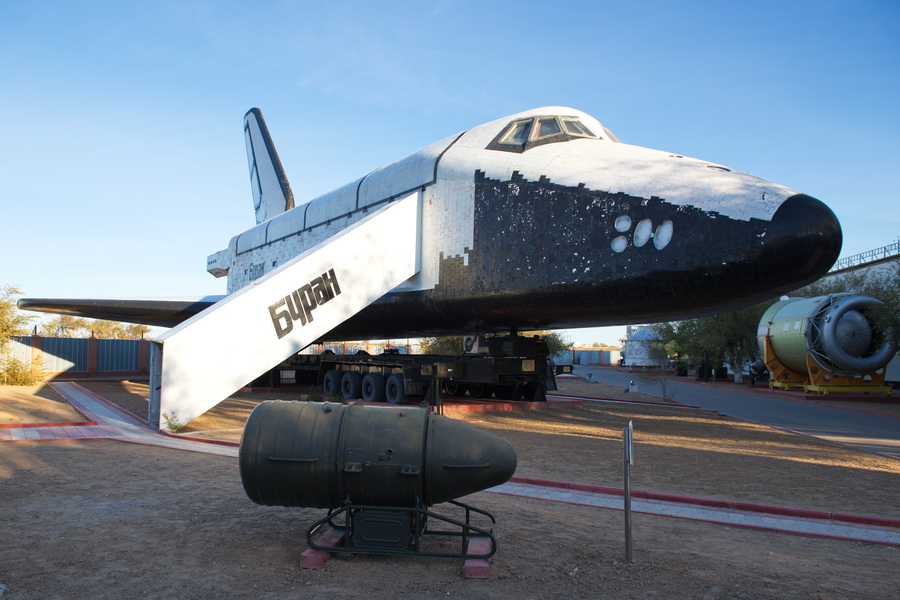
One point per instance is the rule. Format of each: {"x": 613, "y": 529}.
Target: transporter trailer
{"x": 506, "y": 367}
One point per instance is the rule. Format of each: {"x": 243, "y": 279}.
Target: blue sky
{"x": 123, "y": 163}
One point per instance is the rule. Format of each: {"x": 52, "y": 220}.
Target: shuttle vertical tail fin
{"x": 271, "y": 191}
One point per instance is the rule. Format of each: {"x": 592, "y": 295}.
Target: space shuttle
{"x": 540, "y": 220}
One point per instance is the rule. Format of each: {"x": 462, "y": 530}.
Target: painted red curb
{"x": 198, "y": 439}
{"x": 79, "y": 439}
{"x": 808, "y": 534}
{"x": 510, "y": 406}
{"x": 72, "y": 424}
{"x": 663, "y": 404}
{"x": 745, "y": 506}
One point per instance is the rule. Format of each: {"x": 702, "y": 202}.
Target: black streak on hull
{"x": 521, "y": 274}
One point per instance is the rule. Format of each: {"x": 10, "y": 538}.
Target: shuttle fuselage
{"x": 539, "y": 220}
{"x": 545, "y": 220}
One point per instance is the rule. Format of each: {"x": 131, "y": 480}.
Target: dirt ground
{"x": 104, "y": 519}
{"x": 35, "y": 404}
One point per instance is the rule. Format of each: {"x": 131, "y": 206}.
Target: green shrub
{"x": 15, "y": 372}
{"x": 173, "y": 424}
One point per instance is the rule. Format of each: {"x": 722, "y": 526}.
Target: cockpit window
{"x": 520, "y": 135}
{"x": 577, "y": 128}
{"x": 547, "y": 127}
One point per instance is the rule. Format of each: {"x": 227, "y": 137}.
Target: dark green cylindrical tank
{"x": 837, "y": 330}
{"x": 319, "y": 454}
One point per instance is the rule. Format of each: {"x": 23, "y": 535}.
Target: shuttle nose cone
{"x": 802, "y": 242}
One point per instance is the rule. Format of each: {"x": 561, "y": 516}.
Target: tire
{"x": 269, "y": 379}
{"x": 305, "y": 377}
{"x": 394, "y": 390}
{"x": 511, "y": 391}
{"x": 373, "y": 387}
{"x": 454, "y": 389}
{"x": 331, "y": 383}
{"x": 351, "y": 385}
{"x": 480, "y": 390}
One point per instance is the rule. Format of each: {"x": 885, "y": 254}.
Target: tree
{"x": 882, "y": 285}
{"x": 691, "y": 341}
{"x": 135, "y": 331}
{"x": 69, "y": 327}
{"x": 728, "y": 337}
{"x": 66, "y": 326}
{"x": 556, "y": 341}
{"x": 739, "y": 336}
{"x": 115, "y": 330}
{"x": 12, "y": 322}
{"x": 448, "y": 345}
{"x": 107, "y": 330}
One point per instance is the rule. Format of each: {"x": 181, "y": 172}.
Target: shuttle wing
{"x": 160, "y": 312}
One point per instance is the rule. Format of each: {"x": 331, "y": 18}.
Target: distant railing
{"x": 867, "y": 257}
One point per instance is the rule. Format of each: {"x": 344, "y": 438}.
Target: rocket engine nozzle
{"x": 841, "y": 332}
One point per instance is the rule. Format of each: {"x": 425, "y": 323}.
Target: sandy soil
{"x": 35, "y": 404}
{"x": 111, "y": 520}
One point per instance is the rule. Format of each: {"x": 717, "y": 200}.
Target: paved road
{"x": 873, "y": 433}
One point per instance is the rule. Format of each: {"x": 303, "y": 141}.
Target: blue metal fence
{"x": 118, "y": 355}
{"x": 65, "y": 354}
{"x": 587, "y": 357}
{"x": 72, "y": 355}
{"x": 20, "y": 350}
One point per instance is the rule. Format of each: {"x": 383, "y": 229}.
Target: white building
{"x": 639, "y": 348}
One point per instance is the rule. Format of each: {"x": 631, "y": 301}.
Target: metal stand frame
{"x": 818, "y": 379}
{"x": 418, "y": 517}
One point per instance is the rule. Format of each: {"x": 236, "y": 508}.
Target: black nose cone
{"x": 802, "y": 242}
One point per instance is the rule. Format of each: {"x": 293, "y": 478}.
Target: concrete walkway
{"x": 782, "y": 520}
{"x": 112, "y": 423}
{"x": 116, "y": 424}
{"x": 873, "y": 433}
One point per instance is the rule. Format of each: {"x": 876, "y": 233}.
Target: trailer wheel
{"x": 531, "y": 389}
{"x": 331, "y": 383}
{"x": 509, "y": 391}
{"x": 394, "y": 389}
{"x": 373, "y": 387}
{"x": 351, "y": 385}
{"x": 480, "y": 390}
{"x": 455, "y": 389}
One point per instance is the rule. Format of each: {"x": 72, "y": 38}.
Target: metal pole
{"x": 629, "y": 460}
{"x": 154, "y": 401}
